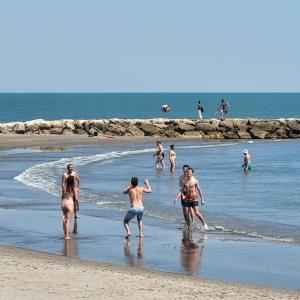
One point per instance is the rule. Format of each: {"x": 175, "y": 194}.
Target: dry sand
{"x": 30, "y": 275}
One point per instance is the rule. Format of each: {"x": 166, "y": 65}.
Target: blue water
{"x": 23, "y": 107}
{"x": 263, "y": 203}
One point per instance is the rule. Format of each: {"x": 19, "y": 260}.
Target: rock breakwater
{"x": 170, "y": 128}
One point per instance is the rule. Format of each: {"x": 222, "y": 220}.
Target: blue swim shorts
{"x": 134, "y": 211}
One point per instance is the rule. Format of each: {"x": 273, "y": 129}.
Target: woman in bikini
{"x": 172, "y": 157}
{"x": 69, "y": 193}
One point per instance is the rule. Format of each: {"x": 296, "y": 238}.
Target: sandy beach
{"x": 27, "y": 274}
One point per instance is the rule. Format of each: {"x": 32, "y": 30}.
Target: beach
{"x": 99, "y": 263}
{"x": 28, "y": 274}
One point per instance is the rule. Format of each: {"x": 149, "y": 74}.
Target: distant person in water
{"x": 67, "y": 204}
{"x": 172, "y": 158}
{"x": 182, "y": 195}
{"x": 223, "y": 109}
{"x": 247, "y": 166}
{"x": 200, "y": 110}
{"x": 135, "y": 193}
{"x": 191, "y": 189}
{"x": 160, "y": 156}
{"x": 71, "y": 173}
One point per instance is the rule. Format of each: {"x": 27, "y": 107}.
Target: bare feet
{"x": 67, "y": 238}
{"x": 127, "y": 236}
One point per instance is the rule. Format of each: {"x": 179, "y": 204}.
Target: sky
{"x": 149, "y": 46}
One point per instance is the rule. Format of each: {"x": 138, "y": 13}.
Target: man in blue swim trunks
{"x": 135, "y": 193}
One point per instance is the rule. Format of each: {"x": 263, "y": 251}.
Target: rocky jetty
{"x": 171, "y": 128}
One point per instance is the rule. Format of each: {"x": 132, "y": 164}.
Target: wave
{"x": 45, "y": 176}
{"x": 207, "y": 146}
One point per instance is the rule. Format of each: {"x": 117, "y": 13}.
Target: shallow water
{"x": 263, "y": 203}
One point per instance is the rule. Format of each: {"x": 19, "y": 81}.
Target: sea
{"x": 262, "y": 204}
{"x": 24, "y": 107}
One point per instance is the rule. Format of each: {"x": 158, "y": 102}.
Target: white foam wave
{"x": 252, "y": 234}
{"x": 207, "y": 146}
{"x": 46, "y": 176}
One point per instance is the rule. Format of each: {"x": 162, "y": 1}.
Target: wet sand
{"x": 17, "y": 140}
{"x": 30, "y": 275}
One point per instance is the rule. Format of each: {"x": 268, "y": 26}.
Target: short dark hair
{"x": 191, "y": 169}
{"x": 69, "y": 165}
{"x": 134, "y": 181}
{"x": 185, "y": 166}
{"x": 172, "y": 147}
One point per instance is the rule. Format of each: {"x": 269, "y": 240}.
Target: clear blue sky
{"x": 149, "y": 46}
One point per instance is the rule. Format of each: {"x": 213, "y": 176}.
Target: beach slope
{"x": 27, "y": 274}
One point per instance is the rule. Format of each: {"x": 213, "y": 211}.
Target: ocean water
{"x": 263, "y": 204}
{"x": 23, "y": 107}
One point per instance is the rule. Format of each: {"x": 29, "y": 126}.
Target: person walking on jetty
{"x": 135, "y": 193}
{"x": 190, "y": 189}
{"x": 67, "y": 204}
{"x": 247, "y": 166}
{"x": 75, "y": 176}
{"x": 172, "y": 158}
{"x": 200, "y": 110}
{"x": 223, "y": 109}
{"x": 182, "y": 195}
{"x": 160, "y": 156}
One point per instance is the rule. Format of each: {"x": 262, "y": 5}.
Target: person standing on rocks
{"x": 200, "y": 110}
{"x": 223, "y": 109}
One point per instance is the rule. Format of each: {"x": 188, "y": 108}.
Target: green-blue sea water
{"x": 23, "y": 107}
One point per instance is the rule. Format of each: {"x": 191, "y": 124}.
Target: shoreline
{"x": 28, "y": 274}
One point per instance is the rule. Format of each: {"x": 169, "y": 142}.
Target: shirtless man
{"x": 72, "y": 173}
{"x": 135, "y": 193}
{"x": 223, "y": 109}
{"x": 247, "y": 161}
{"x": 159, "y": 155}
{"x": 191, "y": 187}
{"x": 181, "y": 195}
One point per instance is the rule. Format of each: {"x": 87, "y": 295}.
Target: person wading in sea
{"x": 71, "y": 173}
{"x": 135, "y": 193}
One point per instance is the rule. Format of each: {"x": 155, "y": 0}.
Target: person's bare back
{"x": 135, "y": 193}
